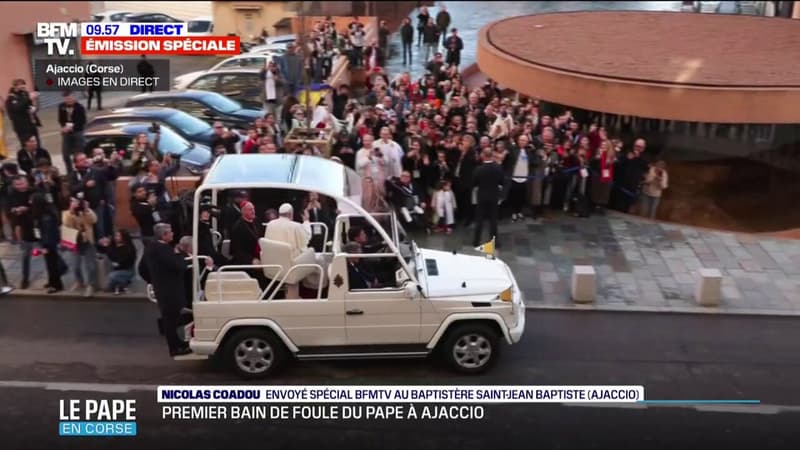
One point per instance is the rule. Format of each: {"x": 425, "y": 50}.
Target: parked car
{"x": 234, "y": 62}
{"x": 283, "y": 39}
{"x": 117, "y": 136}
{"x": 110, "y": 16}
{"x": 147, "y": 17}
{"x": 270, "y": 49}
{"x": 200, "y": 26}
{"x": 242, "y": 85}
{"x": 207, "y": 106}
{"x": 189, "y": 127}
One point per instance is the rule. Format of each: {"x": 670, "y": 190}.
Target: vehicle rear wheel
{"x": 254, "y": 353}
{"x": 471, "y": 348}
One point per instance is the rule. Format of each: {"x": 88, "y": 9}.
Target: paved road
{"x": 673, "y": 356}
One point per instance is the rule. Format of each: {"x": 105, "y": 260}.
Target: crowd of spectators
{"x": 418, "y": 144}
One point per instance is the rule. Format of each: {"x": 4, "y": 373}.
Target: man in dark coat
{"x": 463, "y": 173}
{"x": 488, "y": 179}
{"x": 22, "y": 111}
{"x": 72, "y": 119}
{"x": 443, "y": 22}
{"x": 30, "y": 153}
{"x": 205, "y": 239}
{"x": 164, "y": 266}
{"x": 453, "y": 44}
{"x": 407, "y": 37}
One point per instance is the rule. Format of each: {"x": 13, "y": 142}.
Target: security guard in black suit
{"x": 164, "y": 266}
{"x": 488, "y": 179}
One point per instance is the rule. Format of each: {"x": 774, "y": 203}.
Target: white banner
{"x": 400, "y": 394}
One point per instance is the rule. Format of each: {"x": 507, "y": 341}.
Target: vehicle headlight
{"x": 506, "y": 295}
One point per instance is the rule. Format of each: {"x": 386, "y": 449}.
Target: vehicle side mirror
{"x": 412, "y": 290}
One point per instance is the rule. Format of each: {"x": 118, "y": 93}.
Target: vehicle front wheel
{"x": 254, "y": 353}
{"x": 471, "y": 348}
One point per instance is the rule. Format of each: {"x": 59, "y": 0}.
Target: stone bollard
{"x": 583, "y": 284}
{"x": 708, "y": 288}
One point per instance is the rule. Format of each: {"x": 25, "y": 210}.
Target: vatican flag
{"x": 487, "y": 248}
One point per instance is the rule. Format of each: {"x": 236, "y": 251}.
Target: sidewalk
{"x": 641, "y": 265}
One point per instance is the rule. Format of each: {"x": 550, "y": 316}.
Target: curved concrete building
{"x": 711, "y": 68}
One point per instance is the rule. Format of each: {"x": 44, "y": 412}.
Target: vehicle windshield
{"x": 199, "y": 26}
{"x": 188, "y": 124}
{"x": 171, "y": 142}
{"x": 222, "y": 103}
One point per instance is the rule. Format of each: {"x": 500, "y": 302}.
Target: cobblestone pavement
{"x": 644, "y": 265}
{"x": 640, "y": 265}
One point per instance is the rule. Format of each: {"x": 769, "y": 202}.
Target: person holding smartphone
{"x": 72, "y": 118}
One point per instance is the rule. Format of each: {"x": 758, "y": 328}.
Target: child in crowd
{"x": 444, "y": 206}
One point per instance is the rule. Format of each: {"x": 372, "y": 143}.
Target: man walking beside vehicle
{"x": 165, "y": 265}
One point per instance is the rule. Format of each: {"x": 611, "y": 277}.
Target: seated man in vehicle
{"x": 297, "y": 236}
{"x": 407, "y": 200}
{"x": 358, "y": 277}
{"x": 383, "y": 268}
{"x": 359, "y": 235}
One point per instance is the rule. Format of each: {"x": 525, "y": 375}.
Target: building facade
{"x": 17, "y": 30}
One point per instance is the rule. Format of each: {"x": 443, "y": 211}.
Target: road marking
{"x": 81, "y": 387}
{"x": 609, "y": 405}
{"x": 721, "y": 408}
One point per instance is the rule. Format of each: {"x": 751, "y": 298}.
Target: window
{"x": 118, "y": 17}
{"x": 200, "y": 26}
{"x": 256, "y": 61}
{"x": 192, "y": 107}
{"x": 162, "y": 102}
{"x": 205, "y": 83}
{"x": 97, "y": 18}
{"x": 221, "y": 103}
{"x": 171, "y": 142}
{"x": 186, "y": 123}
{"x": 108, "y": 144}
{"x": 244, "y": 87}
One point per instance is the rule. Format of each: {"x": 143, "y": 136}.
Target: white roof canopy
{"x": 283, "y": 171}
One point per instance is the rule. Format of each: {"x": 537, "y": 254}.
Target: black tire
{"x": 471, "y": 348}
{"x": 261, "y": 342}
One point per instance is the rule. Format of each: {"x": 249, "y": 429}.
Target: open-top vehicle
{"x": 462, "y": 307}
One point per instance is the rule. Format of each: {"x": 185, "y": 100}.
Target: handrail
{"x": 324, "y": 235}
{"x": 251, "y": 266}
{"x": 274, "y": 279}
{"x": 283, "y": 280}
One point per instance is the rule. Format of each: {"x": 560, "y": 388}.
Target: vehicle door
{"x": 242, "y": 87}
{"x": 386, "y": 312}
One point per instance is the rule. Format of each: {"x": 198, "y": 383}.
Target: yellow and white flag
{"x": 487, "y": 248}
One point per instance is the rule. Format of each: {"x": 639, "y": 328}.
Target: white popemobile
{"x": 458, "y": 306}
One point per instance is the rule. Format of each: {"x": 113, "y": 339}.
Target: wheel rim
{"x": 254, "y": 355}
{"x": 472, "y": 351}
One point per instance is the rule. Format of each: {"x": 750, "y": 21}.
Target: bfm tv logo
{"x": 58, "y": 37}
{"x": 97, "y": 417}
